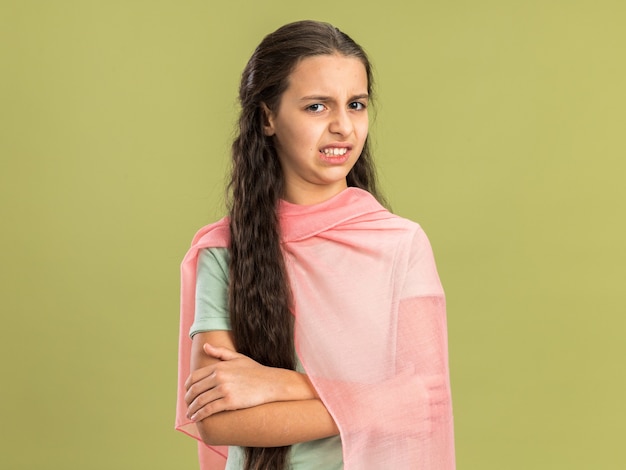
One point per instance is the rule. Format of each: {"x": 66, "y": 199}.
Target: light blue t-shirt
{"x": 212, "y": 314}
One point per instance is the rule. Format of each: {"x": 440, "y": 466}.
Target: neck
{"x": 312, "y": 195}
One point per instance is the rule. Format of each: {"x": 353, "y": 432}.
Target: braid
{"x": 259, "y": 294}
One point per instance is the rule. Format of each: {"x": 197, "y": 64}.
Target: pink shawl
{"x": 370, "y": 330}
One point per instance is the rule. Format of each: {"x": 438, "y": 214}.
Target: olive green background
{"x": 500, "y": 127}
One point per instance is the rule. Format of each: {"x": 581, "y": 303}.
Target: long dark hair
{"x": 259, "y": 293}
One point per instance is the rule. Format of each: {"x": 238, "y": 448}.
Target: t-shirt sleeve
{"x": 211, "y": 311}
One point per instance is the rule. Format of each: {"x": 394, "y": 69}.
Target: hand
{"x": 233, "y": 383}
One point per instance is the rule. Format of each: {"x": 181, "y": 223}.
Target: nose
{"x": 341, "y": 123}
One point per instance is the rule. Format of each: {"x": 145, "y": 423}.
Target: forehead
{"x": 328, "y": 75}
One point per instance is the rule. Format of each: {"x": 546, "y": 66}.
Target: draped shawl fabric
{"x": 370, "y": 330}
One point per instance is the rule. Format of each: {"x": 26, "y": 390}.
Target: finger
{"x": 198, "y": 375}
{"x": 206, "y": 411}
{"x": 190, "y": 381}
{"x": 223, "y": 354}
{"x": 198, "y": 388}
{"x": 208, "y": 403}
{"x": 212, "y": 407}
{"x": 206, "y": 400}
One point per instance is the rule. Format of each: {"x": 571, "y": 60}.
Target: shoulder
{"x": 213, "y": 259}
{"x": 413, "y": 233}
{"x": 396, "y": 225}
{"x": 413, "y": 256}
{"x": 216, "y": 234}
{"x": 412, "y": 243}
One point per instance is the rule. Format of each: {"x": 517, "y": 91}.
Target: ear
{"x": 268, "y": 121}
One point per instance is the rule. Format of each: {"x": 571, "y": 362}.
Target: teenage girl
{"x": 313, "y": 331}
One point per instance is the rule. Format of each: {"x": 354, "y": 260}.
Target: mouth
{"x": 334, "y": 151}
{"x": 335, "y": 155}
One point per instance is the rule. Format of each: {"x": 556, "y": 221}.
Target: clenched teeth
{"x": 334, "y": 151}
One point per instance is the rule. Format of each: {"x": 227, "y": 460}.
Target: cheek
{"x": 295, "y": 135}
{"x": 362, "y": 123}
{"x": 297, "y": 143}
{"x": 362, "y": 130}
{"x": 309, "y": 137}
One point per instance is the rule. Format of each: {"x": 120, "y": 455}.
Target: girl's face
{"x": 320, "y": 126}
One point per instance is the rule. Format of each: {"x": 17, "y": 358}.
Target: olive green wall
{"x": 500, "y": 128}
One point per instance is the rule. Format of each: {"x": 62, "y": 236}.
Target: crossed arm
{"x": 236, "y": 401}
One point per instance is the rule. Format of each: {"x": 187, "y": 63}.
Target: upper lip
{"x": 337, "y": 146}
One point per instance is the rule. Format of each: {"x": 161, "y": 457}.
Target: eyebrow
{"x": 324, "y": 99}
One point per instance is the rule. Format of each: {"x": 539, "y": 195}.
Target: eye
{"x": 357, "y": 106}
{"x": 316, "y": 108}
